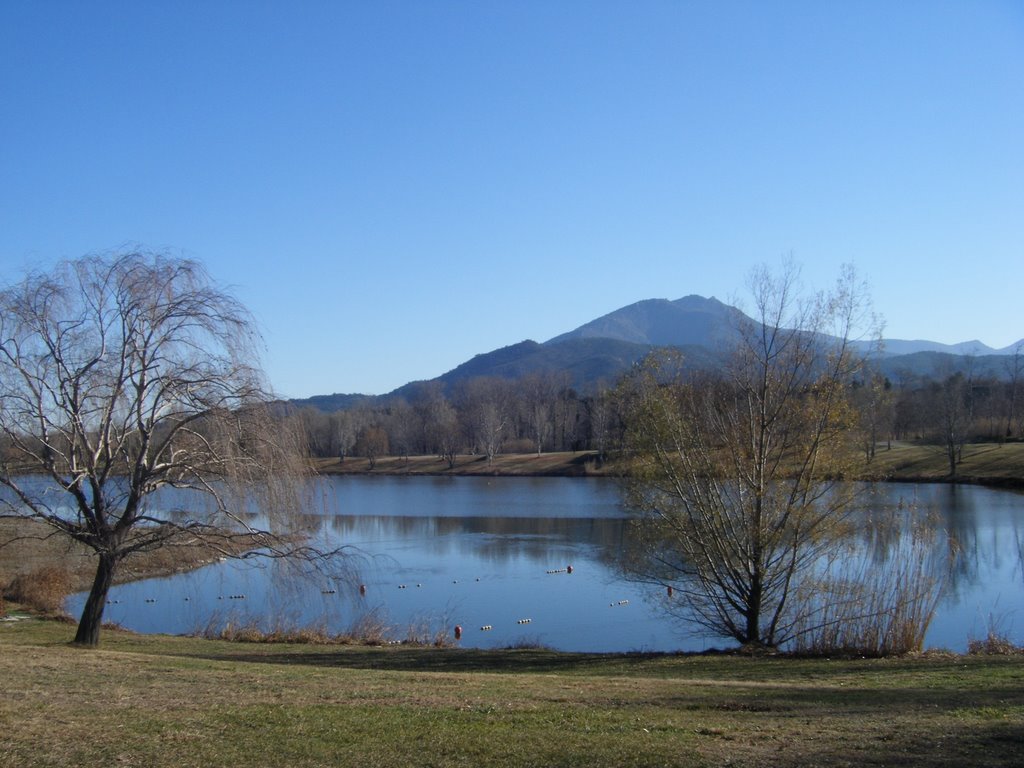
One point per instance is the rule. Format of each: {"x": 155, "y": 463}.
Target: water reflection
{"x": 478, "y": 552}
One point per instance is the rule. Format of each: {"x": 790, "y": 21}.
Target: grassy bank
{"x": 564, "y": 464}
{"x": 988, "y": 463}
{"x": 29, "y": 546}
{"x": 161, "y": 701}
{"x": 983, "y": 463}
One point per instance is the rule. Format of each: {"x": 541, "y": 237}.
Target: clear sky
{"x": 393, "y": 187}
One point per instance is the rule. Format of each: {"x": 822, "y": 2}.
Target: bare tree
{"x": 445, "y": 432}
{"x": 404, "y": 428}
{"x": 568, "y": 415}
{"x": 372, "y": 443}
{"x": 874, "y": 401}
{"x": 316, "y": 426}
{"x": 485, "y": 409}
{"x": 735, "y": 474}
{"x": 1014, "y": 368}
{"x": 129, "y": 392}
{"x": 346, "y": 426}
{"x": 537, "y": 392}
{"x": 426, "y": 398}
{"x": 600, "y": 410}
{"x": 952, "y": 413}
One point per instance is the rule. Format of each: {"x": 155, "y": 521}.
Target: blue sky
{"x": 393, "y": 187}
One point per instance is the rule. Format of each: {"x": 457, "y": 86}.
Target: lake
{"x": 493, "y": 556}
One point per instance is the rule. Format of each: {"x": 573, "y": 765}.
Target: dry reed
{"x": 43, "y": 590}
{"x": 867, "y": 608}
{"x": 367, "y": 630}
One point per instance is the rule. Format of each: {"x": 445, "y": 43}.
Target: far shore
{"x": 994, "y": 464}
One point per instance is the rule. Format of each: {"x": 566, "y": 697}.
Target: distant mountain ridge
{"x": 975, "y": 347}
{"x": 599, "y": 351}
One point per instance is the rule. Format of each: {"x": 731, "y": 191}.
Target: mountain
{"x": 589, "y": 362}
{"x": 904, "y": 347}
{"x": 336, "y": 402}
{"x": 692, "y": 320}
{"x": 586, "y": 360}
{"x": 929, "y": 364}
{"x": 601, "y": 350}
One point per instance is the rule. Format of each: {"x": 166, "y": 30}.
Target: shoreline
{"x": 989, "y": 464}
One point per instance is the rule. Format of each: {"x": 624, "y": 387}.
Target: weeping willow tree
{"x": 734, "y": 473}
{"x": 129, "y": 389}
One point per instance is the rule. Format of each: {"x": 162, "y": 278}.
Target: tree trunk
{"x": 753, "y": 611}
{"x": 92, "y": 614}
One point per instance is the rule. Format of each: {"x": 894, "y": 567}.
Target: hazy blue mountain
{"x": 975, "y": 347}
{"x": 601, "y": 350}
{"x": 938, "y": 365}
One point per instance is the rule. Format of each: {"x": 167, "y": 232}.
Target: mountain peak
{"x": 696, "y": 302}
{"x": 691, "y": 320}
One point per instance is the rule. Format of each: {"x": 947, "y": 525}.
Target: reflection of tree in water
{"x": 977, "y": 533}
{"x": 951, "y": 511}
{"x": 889, "y": 517}
{"x": 493, "y": 539}
{"x": 958, "y": 512}
{"x": 1020, "y": 551}
{"x": 289, "y": 597}
{"x": 967, "y": 512}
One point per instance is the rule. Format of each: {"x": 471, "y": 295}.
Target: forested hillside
{"x": 560, "y": 395}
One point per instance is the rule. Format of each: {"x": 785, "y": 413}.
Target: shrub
{"x": 42, "y": 590}
{"x": 369, "y": 629}
{"x": 995, "y": 643}
{"x": 422, "y": 632}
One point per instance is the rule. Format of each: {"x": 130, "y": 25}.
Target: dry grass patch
{"x": 179, "y": 701}
{"x": 564, "y": 464}
{"x": 27, "y": 547}
{"x": 998, "y": 463}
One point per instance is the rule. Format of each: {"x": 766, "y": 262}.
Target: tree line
{"x": 482, "y": 416}
{"x": 541, "y": 412}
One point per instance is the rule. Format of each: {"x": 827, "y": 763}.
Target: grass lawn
{"x": 998, "y": 463}
{"x": 163, "y": 701}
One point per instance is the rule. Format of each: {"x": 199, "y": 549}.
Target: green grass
{"x": 162, "y": 701}
{"x": 1001, "y": 464}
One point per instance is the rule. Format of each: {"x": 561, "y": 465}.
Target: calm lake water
{"x": 494, "y": 552}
